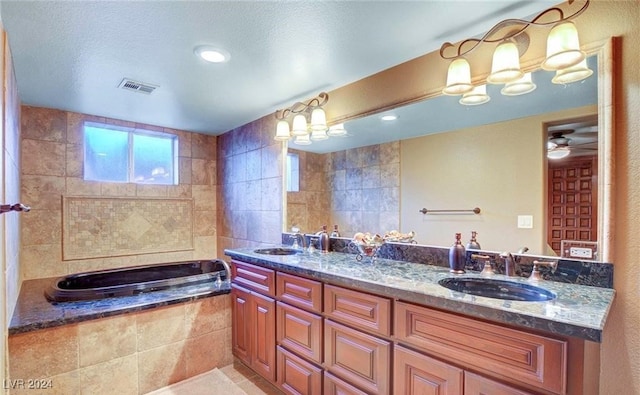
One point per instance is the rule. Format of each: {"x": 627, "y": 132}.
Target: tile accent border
{"x": 96, "y": 227}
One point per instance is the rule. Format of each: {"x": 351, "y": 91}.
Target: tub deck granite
{"x": 578, "y": 311}
{"x": 33, "y": 311}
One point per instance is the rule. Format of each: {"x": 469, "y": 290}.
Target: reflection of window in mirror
{"x": 293, "y": 172}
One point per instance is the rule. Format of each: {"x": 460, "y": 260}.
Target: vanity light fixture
{"x": 563, "y": 53}
{"x": 304, "y": 132}
{"x": 573, "y": 73}
{"x": 212, "y": 54}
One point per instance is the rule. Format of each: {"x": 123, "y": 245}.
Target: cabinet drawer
{"x": 478, "y": 385}
{"x": 300, "y": 292}
{"x": 335, "y": 386}
{"x": 297, "y": 376}
{"x": 415, "y": 373}
{"x": 299, "y": 331}
{"x": 368, "y": 312}
{"x": 357, "y": 357}
{"x": 254, "y": 277}
{"x": 501, "y": 352}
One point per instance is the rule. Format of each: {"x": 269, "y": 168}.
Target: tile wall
{"x": 250, "y": 186}
{"x": 52, "y": 170}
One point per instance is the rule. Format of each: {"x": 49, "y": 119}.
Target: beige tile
{"x": 150, "y": 259}
{"x": 184, "y": 142}
{"x": 116, "y": 376}
{"x": 43, "y": 192}
{"x": 75, "y": 126}
{"x": 258, "y": 386}
{"x": 238, "y": 371}
{"x": 205, "y": 247}
{"x": 203, "y": 172}
{"x": 105, "y": 339}
{"x": 204, "y": 353}
{"x": 161, "y": 366}
{"x": 118, "y": 189}
{"x": 43, "y": 157}
{"x": 79, "y": 187}
{"x": 75, "y": 160}
{"x": 208, "y": 315}
{"x": 43, "y": 353}
{"x": 41, "y": 227}
{"x": 204, "y": 197}
{"x": 43, "y": 260}
{"x": 44, "y": 124}
{"x": 205, "y": 223}
{"x": 143, "y": 190}
{"x": 160, "y": 327}
{"x": 179, "y": 191}
{"x": 185, "y": 175}
{"x": 203, "y": 146}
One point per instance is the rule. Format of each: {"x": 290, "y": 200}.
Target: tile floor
{"x": 234, "y": 379}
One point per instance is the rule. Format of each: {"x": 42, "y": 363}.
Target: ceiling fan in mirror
{"x": 580, "y": 142}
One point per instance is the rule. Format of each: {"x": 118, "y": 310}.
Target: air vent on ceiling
{"x": 136, "y": 86}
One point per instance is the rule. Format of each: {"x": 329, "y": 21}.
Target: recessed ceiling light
{"x": 389, "y": 117}
{"x": 211, "y": 54}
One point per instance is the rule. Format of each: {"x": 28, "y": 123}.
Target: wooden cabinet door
{"x": 297, "y": 376}
{"x": 417, "y": 374}
{"x": 299, "y": 331}
{"x": 263, "y": 339}
{"x": 336, "y": 386}
{"x": 358, "y": 358}
{"x": 241, "y": 323}
{"x": 368, "y": 312}
{"x": 478, "y": 385}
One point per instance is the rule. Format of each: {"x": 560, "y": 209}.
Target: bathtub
{"x": 135, "y": 280}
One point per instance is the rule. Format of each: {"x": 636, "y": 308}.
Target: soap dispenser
{"x": 324, "y": 239}
{"x": 473, "y": 243}
{"x": 457, "y": 256}
{"x": 335, "y": 232}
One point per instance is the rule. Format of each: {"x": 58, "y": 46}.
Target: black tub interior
{"x": 134, "y": 280}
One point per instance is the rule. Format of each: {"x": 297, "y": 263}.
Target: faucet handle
{"x": 535, "y": 272}
{"x": 488, "y": 269}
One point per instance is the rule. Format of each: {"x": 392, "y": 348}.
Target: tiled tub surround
{"x": 146, "y": 341}
{"x": 578, "y": 311}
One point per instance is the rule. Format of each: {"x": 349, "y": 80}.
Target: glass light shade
{"x": 337, "y": 130}
{"x": 573, "y": 73}
{"x": 477, "y": 96}
{"x": 299, "y": 126}
{"x": 302, "y": 140}
{"x": 282, "y": 131}
{"x": 458, "y": 78}
{"x": 551, "y": 145}
{"x": 318, "y": 135}
{"x": 519, "y": 87}
{"x": 318, "y": 120}
{"x": 558, "y": 153}
{"x": 505, "y": 67}
{"x": 563, "y": 47}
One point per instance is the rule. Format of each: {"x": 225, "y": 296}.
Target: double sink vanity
{"x": 316, "y": 323}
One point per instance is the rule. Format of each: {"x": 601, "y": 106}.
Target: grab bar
{"x": 474, "y": 211}
{"x": 5, "y": 208}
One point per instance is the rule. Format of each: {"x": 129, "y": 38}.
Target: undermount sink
{"x": 277, "y": 251}
{"x": 498, "y": 289}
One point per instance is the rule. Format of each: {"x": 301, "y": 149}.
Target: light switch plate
{"x": 525, "y": 221}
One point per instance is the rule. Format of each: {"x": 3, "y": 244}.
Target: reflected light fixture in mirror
{"x": 477, "y": 96}
{"x": 519, "y": 87}
{"x": 573, "y": 73}
{"x": 563, "y": 50}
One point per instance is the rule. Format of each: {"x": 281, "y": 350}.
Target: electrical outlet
{"x": 578, "y": 252}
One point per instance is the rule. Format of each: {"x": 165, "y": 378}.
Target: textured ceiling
{"x": 72, "y": 55}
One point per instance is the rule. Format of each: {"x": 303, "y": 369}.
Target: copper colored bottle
{"x": 324, "y": 239}
{"x": 473, "y": 243}
{"x": 457, "y": 256}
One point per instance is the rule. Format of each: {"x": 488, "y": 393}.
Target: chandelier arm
{"x": 300, "y": 107}
{"x": 507, "y": 22}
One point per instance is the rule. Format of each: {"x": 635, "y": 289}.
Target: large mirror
{"x": 440, "y": 155}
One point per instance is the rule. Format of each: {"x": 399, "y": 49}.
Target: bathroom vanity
{"x": 327, "y": 324}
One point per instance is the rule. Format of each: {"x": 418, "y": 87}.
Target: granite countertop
{"x": 578, "y": 310}
{"x": 33, "y": 311}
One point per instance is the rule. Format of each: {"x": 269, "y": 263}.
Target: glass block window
{"x": 117, "y": 154}
{"x": 293, "y": 172}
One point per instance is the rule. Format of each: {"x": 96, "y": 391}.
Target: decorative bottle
{"x": 324, "y": 239}
{"x": 335, "y": 232}
{"x": 457, "y": 256}
{"x": 473, "y": 243}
